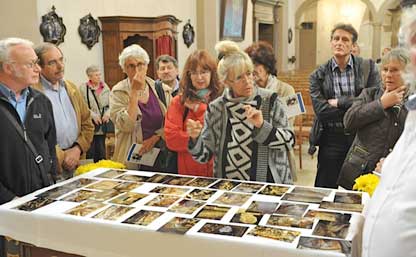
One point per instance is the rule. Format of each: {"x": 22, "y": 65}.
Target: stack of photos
{"x": 143, "y": 217}
{"x": 225, "y": 184}
{"x": 111, "y": 174}
{"x": 112, "y": 213}
{"x": 262, "y": 207}
{"x": 245, "y": 187}
{"x": 331, "y": 229}
{"x": 274, "y": 190}
{"x": 223, "y": 229}
{"x": 340, "y": 246}
{"x": 170, "y": 190}
{"x": 163, "y": 201}
{"x": 85, "y": 208}
{"x": 201, "y": 182}
{"x": 244, "y": 217}
{"x": 235, "y": 199}
{"x": 213, "y": 212}
{"x": 352, "y": 207}
{"x": 178, "y": 225}
{"x": 290, "y": 221}
{"x": 34, "y": 204}
{"x": 201, "y": 194}
{"x": 128, "y": 198}
{"x": 291, "y": 209}
{"x": 275, "y": 233}
{"x": 186, "y": 206}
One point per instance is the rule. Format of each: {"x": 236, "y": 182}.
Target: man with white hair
{"x": 74, "y": 127}
{"x": 27, "y": 133}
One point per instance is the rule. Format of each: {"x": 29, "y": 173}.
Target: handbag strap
{"x": 22, "y": 133}
{"x": 95, "y": 98}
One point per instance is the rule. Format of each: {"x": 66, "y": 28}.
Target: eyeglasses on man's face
{"x": 54, "y": 63}
{"x": 133, "y": 66}
{"x": 199, "y": 73}
{"x": 30, "y": 65}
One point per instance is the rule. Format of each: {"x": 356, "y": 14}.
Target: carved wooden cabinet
{"x": 121, "y": 31}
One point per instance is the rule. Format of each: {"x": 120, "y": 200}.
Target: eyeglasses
{"x": 201, "y": 73}
{"x": 54, "y": 63}
{"x": 247, "y": 75}
{"x": 134, "y": 66}
{"x": 29, "y": 65}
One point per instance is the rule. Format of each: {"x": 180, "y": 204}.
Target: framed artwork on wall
{"x": 233, "y": 19}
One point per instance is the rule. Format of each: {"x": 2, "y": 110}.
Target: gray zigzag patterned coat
{"x": 273, "y": 139}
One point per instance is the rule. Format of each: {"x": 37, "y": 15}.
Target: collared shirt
{"x": 390, "y": 224}
{"x": 20, "y": 104}
{"x": 343, "y": 81}
{"x": 63, "y": 112}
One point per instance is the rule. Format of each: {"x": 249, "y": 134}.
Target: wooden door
{"x": 307, "y": 48}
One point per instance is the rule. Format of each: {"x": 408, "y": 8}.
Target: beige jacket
{"x": 85, "y": 125}
{"x": 128, "y": 131}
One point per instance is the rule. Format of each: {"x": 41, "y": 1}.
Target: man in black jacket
{"x": 333, "y": 86}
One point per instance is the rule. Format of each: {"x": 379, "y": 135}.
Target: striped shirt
{"x": 343, "y": 81}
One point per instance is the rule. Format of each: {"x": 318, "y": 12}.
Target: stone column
{"x": 376, "y": 40}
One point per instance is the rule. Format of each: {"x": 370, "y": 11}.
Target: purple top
{"x": 152, "y": 118}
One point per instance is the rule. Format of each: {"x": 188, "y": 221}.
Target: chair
{"x": 302, "y": 128}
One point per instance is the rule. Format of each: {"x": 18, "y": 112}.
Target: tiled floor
{"x": 306, "y": 176}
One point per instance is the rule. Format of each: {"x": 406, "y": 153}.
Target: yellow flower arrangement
{"x": 101, "y": 164}
{"x": 366, "y": 183}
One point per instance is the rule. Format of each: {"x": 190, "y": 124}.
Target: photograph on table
{"x": 302, "y": 198}
{"x": 55, "y": 192}
{"x": 132, "y": 177}
{"x": 112, "y": 213}
{"x": 170, "y": 190}
{"x": 245, "y": 187}
{"x": 200, "y": 194}
{"x": 223, "y": 184}
{"x": 201, "y": 182}
{"x": 143, "y": 217}
{"x": 163, "y": 201}
{"x": 127, "y": 186}
{"x": 128, "y": 198}
{"x": 234, "y": 199}
{"x": 274, "y": 233}
{"x": 85, "y": 208}
{"x": 186, "y": 206}
{"x": 104, "y": 185}
{"x": 111, "y": 173}
{"x": 331, "y": 229}
{"x": 263, "y": 207}
{"x": 329, "y": 216}
{"x": 102, "y": 196}
{"x": 79, "y": 196}
{"x": 223, "y": 229}
{"x": 291, "y": 209}
{"x": 179, "y": 181}
{"x": 344, "y": 197}
{"x": 81, "y": 182}
{"x": 310, "y": 191}
{"x": 178, "y": 225}
{"x": 212, "y": 212}
{"x": 159, "y": 178}
{"x": 340, "y": 246}
{"x": 274, "y": 190}
{"x": 34, "y": 204}
{"x": 242, "y": 216}
{"x": 342, "y": 206}
{"x": 290, "y": 221}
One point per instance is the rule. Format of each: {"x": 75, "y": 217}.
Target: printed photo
{"x": 85, "y": 208}
{"x": 301, "y": 198}
{"x": 127, "y": 186}
{"x": 342, "y": 206}
{"x": 331, "y": 229}
{"x": 244, "y": 217}
{"x": 329, "y": 216}
{"x": 170, "y": 190}
{"x": 201, "y": 194}
{"x": 81, "y": 182}
{"x": 128, "y": 198}
{"x": 163, "y": 201}
{"x": 201, "y": 182}
{"x": 104, "y": 185}
{"x": 213, "y": 212}
{"x": 104, "y": 195}
{"x": 354, "y": 198}
{"x": 310, "y": 191}
{"x": 186, "y": 206}
{"x": 292, "y": 209}
{"x": 159, "y": 178}
{"x": 134, "y": 178}
{"x": 55, "y": 192}
{"x": 143, "y": 217}
{"x": 290, "y": 221}
{"x": 111, "y": 173}
{"x": 179, "y": 181}
{"x": 178, "y": 225}
{"x": 274, "y": 190}
{"x": 262, "y": 207}
{"x": 112, "y": 213}
{"x": 275, "y": 233}
{"x": 223, "y": 229}
{"x": 79, "y": 196}
{"x": 34, "y": 204}
{"x": 245, "y": 187}
{"x": 340, "y": 246}
{"x": 225, "y": 184}
{"x": 235, "y": 199}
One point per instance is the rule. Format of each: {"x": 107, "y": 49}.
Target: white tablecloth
{"x": 49, "y": 227}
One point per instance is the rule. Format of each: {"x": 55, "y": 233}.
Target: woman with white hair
{"x": 246, "y": 129}
{"x": 137, "y": 109}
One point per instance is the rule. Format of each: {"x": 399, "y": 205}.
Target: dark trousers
{"x": 97, "y": 149}
{"x": 333, "y": 148}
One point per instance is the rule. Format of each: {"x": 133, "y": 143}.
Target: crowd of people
{"x": 221, "y": 117}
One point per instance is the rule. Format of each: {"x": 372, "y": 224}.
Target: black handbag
{"x": 355, "y": 165}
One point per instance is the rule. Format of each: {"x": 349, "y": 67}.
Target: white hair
{"x": 133, "y": 51}
{"x": 6, "y": 44}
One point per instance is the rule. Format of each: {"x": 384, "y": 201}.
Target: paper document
{"x": 147, "y": 159}
{"x": 294, "y": 104}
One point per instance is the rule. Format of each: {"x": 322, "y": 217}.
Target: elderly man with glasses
{"x": 74, "y": 127}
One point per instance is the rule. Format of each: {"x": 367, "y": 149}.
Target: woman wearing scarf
{"x": 199, "y": 86}
{"x": 246, "y": 129}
